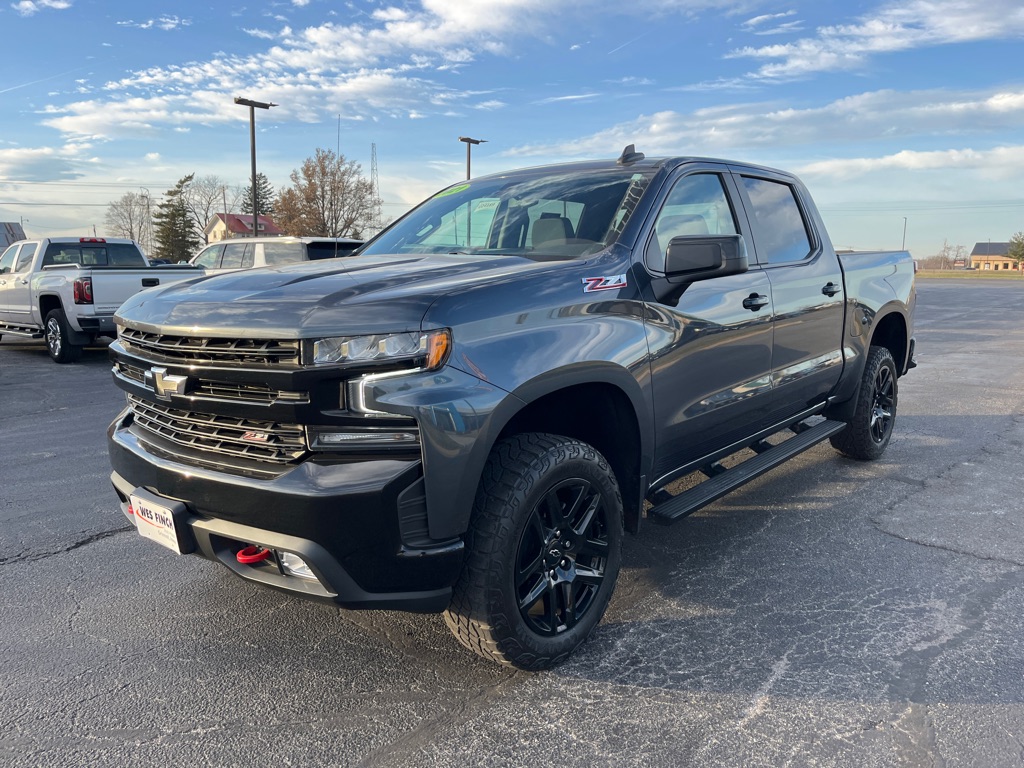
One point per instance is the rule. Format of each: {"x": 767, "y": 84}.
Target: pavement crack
{"x": 31, "y": 557}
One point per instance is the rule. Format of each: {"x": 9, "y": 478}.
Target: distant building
{"x": 992, "y": 256}
{"x": 12, "y": 232}
{"x": 227, "y": 225}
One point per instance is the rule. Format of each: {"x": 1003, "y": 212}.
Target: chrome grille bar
{"x": 188, "y": 349}
{"x": 225, "y": 435}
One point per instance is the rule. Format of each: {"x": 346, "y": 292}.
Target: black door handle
{"x": 831, "y": 289}
{"x": 149, "y": 282}
{"x": 754, "y": 302}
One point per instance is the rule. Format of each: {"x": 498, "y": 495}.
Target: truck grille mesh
{"x": 265, "y": 441}
{"x": 206, "y": 389}
{"x": 188, "y": 349}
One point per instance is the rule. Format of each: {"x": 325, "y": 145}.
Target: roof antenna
{"x": 629, "y": 155}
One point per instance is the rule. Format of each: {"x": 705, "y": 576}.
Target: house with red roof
{"x": 222, "y": 226}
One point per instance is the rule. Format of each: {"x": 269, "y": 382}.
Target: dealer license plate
{"x": 155, "y": 520}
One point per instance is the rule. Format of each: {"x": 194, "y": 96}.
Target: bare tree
{"x": 203, "y": 197}
{"x": 329, "y": 197}
{"x": 129, "y": 216}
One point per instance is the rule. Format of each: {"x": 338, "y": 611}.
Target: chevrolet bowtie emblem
{"x": 165, "y": 384}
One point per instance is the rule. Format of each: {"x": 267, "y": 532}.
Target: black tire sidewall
{"x": 563, "y": 459}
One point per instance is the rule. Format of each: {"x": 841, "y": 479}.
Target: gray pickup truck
{"x": 468, "y": 415}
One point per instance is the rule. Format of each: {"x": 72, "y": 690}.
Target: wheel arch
{"x": 598, "y": 411}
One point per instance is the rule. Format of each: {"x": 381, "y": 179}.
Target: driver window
{"x": 209, "y": 258}
{"x": 697, "y": 205}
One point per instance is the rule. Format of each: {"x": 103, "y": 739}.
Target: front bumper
{"x": 341, "y": 518}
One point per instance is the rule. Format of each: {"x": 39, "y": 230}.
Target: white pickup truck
{"x": 66, "y": 289}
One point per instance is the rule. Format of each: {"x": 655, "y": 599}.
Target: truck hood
{"x": 361, "y": 295}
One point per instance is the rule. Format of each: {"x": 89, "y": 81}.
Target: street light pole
{"x": 904, "y": 246}
{"x": 469, "y": 146}
{"x": 252, "y": 151}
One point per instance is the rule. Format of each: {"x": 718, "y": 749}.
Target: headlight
{"x": 429, "y": 349}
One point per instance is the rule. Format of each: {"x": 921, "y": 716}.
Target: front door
{"x": 711, "y": 351}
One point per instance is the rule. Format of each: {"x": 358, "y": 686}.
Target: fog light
{"x": 293, "y": 565}
{"x": 367, "y": 438}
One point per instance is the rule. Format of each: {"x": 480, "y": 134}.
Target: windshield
{"x": 556, "y": 214}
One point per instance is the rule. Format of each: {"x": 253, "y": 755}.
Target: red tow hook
{"x": 252, "y": 555}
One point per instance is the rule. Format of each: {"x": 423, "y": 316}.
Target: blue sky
{"x": 887, "y": 110}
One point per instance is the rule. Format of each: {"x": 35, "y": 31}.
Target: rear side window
{"x": 325, "y": 249}
{"x": 283, "y": 253}
{"x": 781, "y": 234}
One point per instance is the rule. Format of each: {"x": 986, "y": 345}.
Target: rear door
{"x": 806, "y": 286}
{"x": 711, "y": 350}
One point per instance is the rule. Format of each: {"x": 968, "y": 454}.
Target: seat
{"x": 551, "y": 229}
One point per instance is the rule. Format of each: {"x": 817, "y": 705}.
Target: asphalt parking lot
{"x": 832, "y": 613}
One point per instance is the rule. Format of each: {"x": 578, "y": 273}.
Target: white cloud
{"x": 30, "y": 7}
{"x": 772, "y": 129}
{"x": 165, "y": 23}
{"x": 897, "y": 27}
{"x": 262, "y": 34}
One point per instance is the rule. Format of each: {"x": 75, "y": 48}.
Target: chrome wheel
{"x": 53, "y": 336}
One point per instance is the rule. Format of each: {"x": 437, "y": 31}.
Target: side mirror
{"x": 690, "y": 258}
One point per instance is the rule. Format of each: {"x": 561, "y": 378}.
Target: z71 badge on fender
{"x": 607, "y": 283}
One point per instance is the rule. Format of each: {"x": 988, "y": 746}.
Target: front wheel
{"x": 543, "y": 552}
{"x": 58, "y": 336}
{"x": 867, "y": 434}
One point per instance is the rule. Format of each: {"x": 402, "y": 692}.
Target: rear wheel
{"x": 58, "y": 338}
{"x": 544, "y": 550}
{"x": 867, "y": 435}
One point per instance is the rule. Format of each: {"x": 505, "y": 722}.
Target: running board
{"x": 689, "y": 501}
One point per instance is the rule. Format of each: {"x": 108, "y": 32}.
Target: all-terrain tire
{"x": 868, "y": 432}
{"x": 543, "y": 552}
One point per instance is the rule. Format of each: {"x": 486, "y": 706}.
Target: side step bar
{"x": 689, "y": 501}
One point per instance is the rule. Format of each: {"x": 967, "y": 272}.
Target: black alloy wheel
{"x": 562, "y": 557}
{"x": 868, "y": 433}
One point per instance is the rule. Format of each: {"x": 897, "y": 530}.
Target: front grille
{"x": 188, "y": 349}
{"x": 207, "y": 389}
{"x": 265, "y": 441}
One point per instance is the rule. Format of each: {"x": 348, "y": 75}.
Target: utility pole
{"x": 252, "y": 105}
{"x": 904, "y": 246}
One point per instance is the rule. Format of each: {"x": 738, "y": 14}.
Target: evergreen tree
{"x": 174, "y": 230}
{"x": 265, "y": 196}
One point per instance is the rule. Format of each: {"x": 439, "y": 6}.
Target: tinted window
{"x": 325, "y": 249}
{"x": 697, "y": 205}
{"x": 283, "y": 253}
{"x": 781, "y": 234}
{"x": 94, "y": 254}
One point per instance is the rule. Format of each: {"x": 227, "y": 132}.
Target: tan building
{"x": 224, "y": 226}
{"x": 992, "y": 256}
